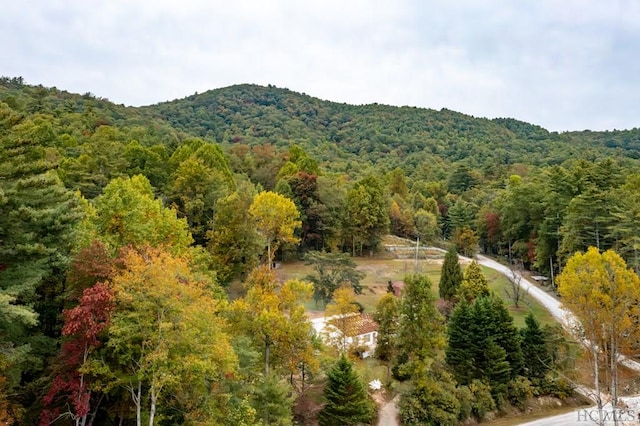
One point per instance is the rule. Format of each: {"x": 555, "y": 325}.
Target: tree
{"x": 37, "y": 222}
{"x": 275, "y": 319}
{"x": 194, "y": 191}
{"x": 346, "y": 396}
{"x": 426, "y": 224}
{"x": 600, "y": 290}
{"x": 451, "y": 276}
{"x": 421, "y": 330}
{"x": 276, "y": 220}
{"x": 515, "y": 291}
{"x": 387, "y": 315}
{"x": 432, "y": 400}
{"x": 166, "y": 333}
{"x": 483, "y": 343}
{"x": 534, "y": 344}
{"x": 466, "y": 241}
{"x": 273, "y": 402}
{"x": 234, "y": 243}
{"x": 474, "y": 284}
{"x": 83, "y": 326}
{"x": 333, "y": 270}
{"x": 128, "y": 213}
{"x": 314, "y": 214}
{"x": 342, "y": 310}
{"x": 366, "y": 217}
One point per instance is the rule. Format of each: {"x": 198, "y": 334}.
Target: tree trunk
{"x": 596, "y": 383}
{"x": 137, "y": 400}
{"x": 152, "y": 410}
{"x": 267, "y": 346}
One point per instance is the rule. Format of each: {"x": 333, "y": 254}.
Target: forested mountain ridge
{"x": 394, "y": 135}
{"x": 332, "y": 132}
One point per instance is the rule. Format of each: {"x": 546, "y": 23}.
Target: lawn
{"x": 378, "y": 272}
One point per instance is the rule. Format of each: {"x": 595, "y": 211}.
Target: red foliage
{"x": 492, "y": 220}
{"x": 83, "y": 325}
{"x": 91, "y": 264}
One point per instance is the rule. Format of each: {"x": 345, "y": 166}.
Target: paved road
{"x": 570, "y": 322}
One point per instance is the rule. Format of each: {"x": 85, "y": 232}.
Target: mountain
{"x": 336, "y": 134}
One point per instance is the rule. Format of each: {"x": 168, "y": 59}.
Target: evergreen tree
{"x": 535, "y": 346}
{"x": 421, "y": 329}
{"x": 347, "y": 399}
{"x": 451, "y": 276}
{"x": 483, "y": 343}
{"x": 273, "y": 401}
{"x": 474, "y": 284}
{"x": 37, "y": 218}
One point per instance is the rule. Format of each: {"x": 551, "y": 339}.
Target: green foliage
{"x": 366, "y": 218}
{"x": 519, "y": 391}
{"x": 534, "y": 345}
{"x": 483, "y": 343}
{"x": 332, "y": 271}
{"x": 433, "y": 400}
{"x": 387, "y": 315}
{"x": 466, "y": 241}
{"x": 166, "y": 333}
{"x": 481, "y": 400}
{"x": 273, "y": 402}
{"x": 37, "y": 223}
{"x": 451, "y": 276}
{"x": 127, "y": 213}
{"x": 474, "y": 283}
{"x": 421, "y": 330}
{"x": 234, "y": 242}
{"x": 276, "y": 219}
{"x": 346, "y": 397}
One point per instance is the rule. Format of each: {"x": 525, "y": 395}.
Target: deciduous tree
{"x": 276, "y": 219}
{"x": 603, "y": 293}
{"x": 166, "y": 331}
{"x": 333, "y": 270}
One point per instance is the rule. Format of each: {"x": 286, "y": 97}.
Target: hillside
{"x": 392, "y": 136}
{"x": 338, "y": 135}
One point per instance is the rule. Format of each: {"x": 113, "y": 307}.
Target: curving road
{"x": 583, "y": 416}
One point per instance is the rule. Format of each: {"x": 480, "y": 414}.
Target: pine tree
{"x": 474, "y": 284}
{"x": 483, "y": 343}
{"x": 534, "y": 345}
{"x": 347, "y": 399}
{"x": 451, "y": 276}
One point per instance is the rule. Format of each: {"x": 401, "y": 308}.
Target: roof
{"x": 362, "y": 323}
{"x": 366, "y": 324}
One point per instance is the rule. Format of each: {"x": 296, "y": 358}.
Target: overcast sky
{"x": 561, "y": 64}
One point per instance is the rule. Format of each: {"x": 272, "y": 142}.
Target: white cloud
{"x": 551, "y": 63}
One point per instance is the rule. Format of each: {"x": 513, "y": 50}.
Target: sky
{"x": 561, "y": 64}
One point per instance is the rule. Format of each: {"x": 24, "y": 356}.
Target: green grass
{"x": 378, "y": 272}
{"x": 498, "y": 283}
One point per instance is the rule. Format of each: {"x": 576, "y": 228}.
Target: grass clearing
{"x": 498, "y": 283}
{"x": 379, "y": 271}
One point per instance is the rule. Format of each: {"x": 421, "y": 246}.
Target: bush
{"x": 465, "y": 397}
{"x": 518, "y": 391}
{"x": 554, "y": 386}
{"x": 482, "y": 401}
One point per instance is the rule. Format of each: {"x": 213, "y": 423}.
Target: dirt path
{"x": 389, "y": 413}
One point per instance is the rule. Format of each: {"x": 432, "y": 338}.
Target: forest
{"x": 123, "y": 229}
